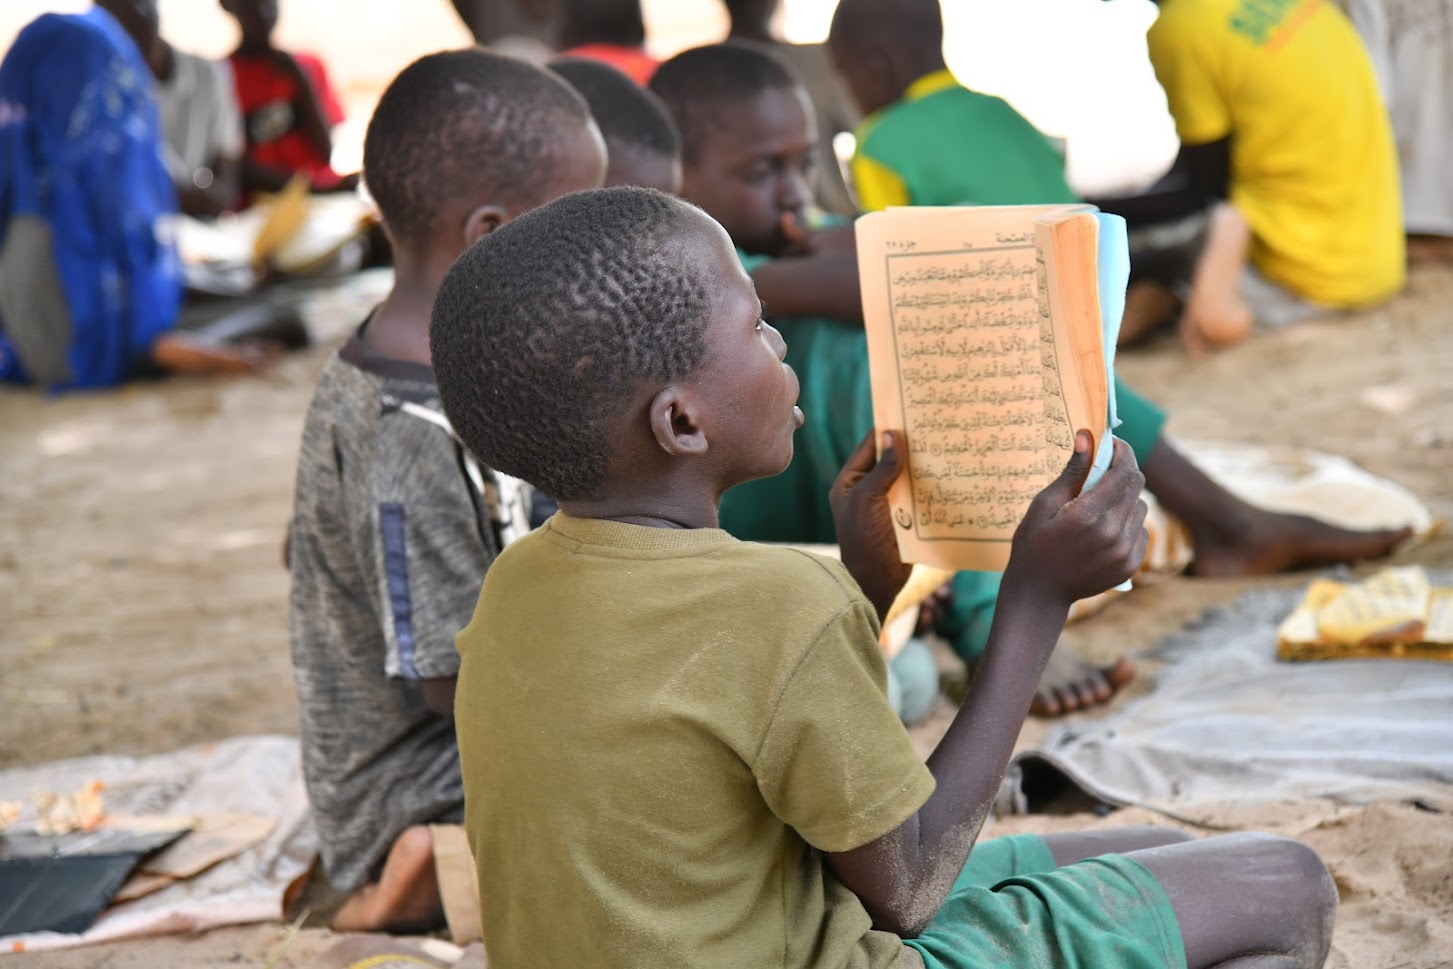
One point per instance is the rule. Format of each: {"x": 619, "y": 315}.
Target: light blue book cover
{"x": 1113, "y": 251}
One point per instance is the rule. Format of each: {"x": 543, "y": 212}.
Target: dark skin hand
{"x": 1069, "y": 546}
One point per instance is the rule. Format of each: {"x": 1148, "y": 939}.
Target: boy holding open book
{"x": 747, "y": 137}
{"x": 676, "y": 747}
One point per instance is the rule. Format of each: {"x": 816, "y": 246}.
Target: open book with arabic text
{"x": 991, "y": 337}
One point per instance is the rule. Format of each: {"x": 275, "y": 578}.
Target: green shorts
{"x": 1012, "y": 907}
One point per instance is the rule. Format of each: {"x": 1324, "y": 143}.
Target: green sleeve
{"x": 1140, "y": 422}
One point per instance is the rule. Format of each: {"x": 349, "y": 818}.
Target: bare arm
{"x": 307, "y": 109}
{"x": 1069, "y": 546}
{"x": 1201, "y": 175}
{"x": 821, "y": 284}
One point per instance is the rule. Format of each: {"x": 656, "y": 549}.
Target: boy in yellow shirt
{"x": 1277, "y": 107}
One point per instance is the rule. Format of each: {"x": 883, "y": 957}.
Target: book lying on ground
{"x": 1395, "y": 614}
{"x": 991, "y": 340}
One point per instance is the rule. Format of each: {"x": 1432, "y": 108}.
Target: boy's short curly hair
{"x": 627, "y": 113}
{"x": 697, "y": 82}
{"x": 465, "y": 128}
{"x": 545, "y": 329}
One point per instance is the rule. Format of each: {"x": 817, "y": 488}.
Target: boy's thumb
{"x": 885, "y": 471}
{"x": 1072, "y": 478}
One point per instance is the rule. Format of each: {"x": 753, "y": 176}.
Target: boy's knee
{"x": 1300, "y": 873}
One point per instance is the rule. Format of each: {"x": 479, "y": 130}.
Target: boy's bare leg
{"x": 1247, "y": 901}
{"x": 1079, "y": 845}
{"x": 406, "y": 896}
{"x": 1232, "y": 538}
{"x": 1148, "y": 306}
{"x": 1216, "y": 315}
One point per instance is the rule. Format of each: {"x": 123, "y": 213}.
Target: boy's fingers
{"x": 1072, "y": 478}
{"x": 1121, "y": 485}
{"x": 885, "y": 472}
{"x": 862, "y": 458}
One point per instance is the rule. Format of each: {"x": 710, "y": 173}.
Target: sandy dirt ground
{"x": 145, "y": 604}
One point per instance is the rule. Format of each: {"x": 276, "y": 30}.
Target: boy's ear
{"x": 676, "y": 423}
{"x": 482, "y": 221}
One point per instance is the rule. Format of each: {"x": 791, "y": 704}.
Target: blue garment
{"x": 80, "y": 153}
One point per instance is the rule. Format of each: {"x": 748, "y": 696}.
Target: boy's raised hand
{"x": 1073, "y": 545}
{"x": 859, "y": 500}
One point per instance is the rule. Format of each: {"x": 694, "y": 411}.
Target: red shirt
{"x": 633, "y": 61}
{"x": 265, "y": 95}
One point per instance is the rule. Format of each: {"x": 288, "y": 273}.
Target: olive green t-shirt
{"x": 661, "y": 731}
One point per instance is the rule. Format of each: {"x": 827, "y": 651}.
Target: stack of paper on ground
{"x": 1395, "y": 614}
{"x": 1227, "y": 721}
{"x": 989, "y": 347}
{"x": 246, "y": 791}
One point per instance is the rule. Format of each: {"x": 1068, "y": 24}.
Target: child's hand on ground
{"x": 859, "y": 500}
{"x": 1073, "y": 545}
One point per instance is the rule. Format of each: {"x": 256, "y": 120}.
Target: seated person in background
{"x": 392, "y": 525}
{"x": 288, "y": 108}
{"x": 641, "y": 144}
{"x": 751, "y": 23}
{"x": 677, "y": 747}
{"x": 513, "y": 26}
{"x": 90, "y": 282}
{"x": 200, "y": 123}
{"x": 613, "y": 31}
{"x": 1279, "y": 114}
{"x": 926, "y": 139}
{"x": 747, "y": 137}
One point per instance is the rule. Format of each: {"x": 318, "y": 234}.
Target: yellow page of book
{"x": 958, "y": 364}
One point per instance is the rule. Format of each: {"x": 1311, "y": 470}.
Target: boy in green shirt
{"x": 676, "y": 746}
{"x": 747, "y": 138}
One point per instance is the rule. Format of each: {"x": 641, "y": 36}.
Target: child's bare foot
{"x": 1070, "y": 683}
{"x": 406, "y": 896}
{"x": 1270, "y": 542}
{"x": 179, "y": 355}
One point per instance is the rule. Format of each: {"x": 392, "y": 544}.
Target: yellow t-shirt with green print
{"x": 1314, "y": 166}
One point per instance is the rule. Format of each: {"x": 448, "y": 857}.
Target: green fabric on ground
{"x": 1012, "y": 906}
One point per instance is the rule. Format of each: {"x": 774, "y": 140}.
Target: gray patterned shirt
{"x": 390, "y": 541}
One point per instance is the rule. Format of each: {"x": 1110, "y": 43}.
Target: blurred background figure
{"x": 751, "y": 22}
{"x": 1279, "y": 115}
{"x": 90, "y": 282}
{"x": 200, "y": 122}
{"x": 611, "y": 31}
{"x": 288, "y": 107}
{"x": 1411, "y": 45}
